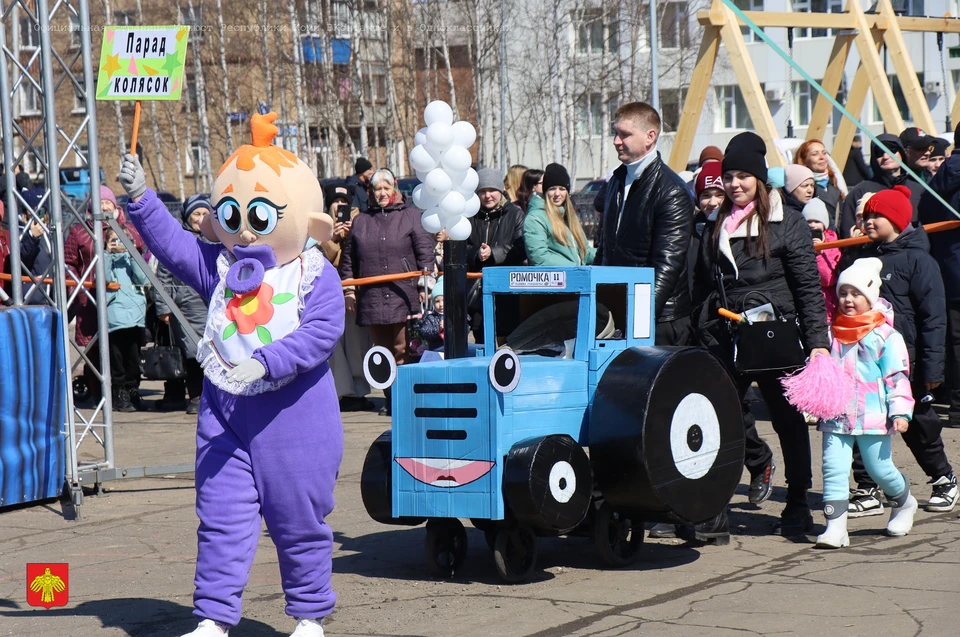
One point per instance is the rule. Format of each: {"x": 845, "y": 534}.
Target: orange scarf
{"x": 851, "y": 329}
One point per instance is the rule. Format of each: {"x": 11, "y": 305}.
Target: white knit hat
{"x": 816, "y": 210}
{"x": 864, "y": 275}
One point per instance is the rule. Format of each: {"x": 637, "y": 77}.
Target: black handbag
{"x": 763, "y": 347}
{"x": 162, "y": 362}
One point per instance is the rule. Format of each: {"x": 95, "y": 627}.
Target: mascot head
{"x": 267, "y": 205}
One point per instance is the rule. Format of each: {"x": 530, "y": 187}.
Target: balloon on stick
{"x": 471, "y": 206}
{"x": 438, "y": 111}
{"x": 439, "y": 137}
{"x": 421, "y": 137}
{"x": 423, "y": 199}
{"x": 422, "y": 160}
{"x": 464, "y": 134}
{"x": 431, "y": 221}
{"x": 469, "y": 184}
{"x": 456, "y": 161}
{"x": 459, "y": 231}
{"x": 438, "y": 183}
{"x": 452, "y": 205}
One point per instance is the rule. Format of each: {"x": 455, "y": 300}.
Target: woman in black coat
{"x": 387, "y": 238}
{"x": 762, "y": 254}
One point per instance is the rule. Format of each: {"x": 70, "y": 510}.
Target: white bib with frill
{"x": 239, "y": 325}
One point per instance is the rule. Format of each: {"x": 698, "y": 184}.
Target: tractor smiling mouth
{"x": 445, "y": 472}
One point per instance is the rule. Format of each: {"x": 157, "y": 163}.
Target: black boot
{"x": 387, "y": 409}
{"x": 796, "y": 519}
{"x": 121, "y": 400}
{"x": 714, "y": 531}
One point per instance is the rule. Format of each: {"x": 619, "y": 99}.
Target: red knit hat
{"x": 710, "y": 176}
{"x": 894, "y": 204}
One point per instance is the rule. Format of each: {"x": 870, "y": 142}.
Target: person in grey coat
{"x": 194, "y": 308}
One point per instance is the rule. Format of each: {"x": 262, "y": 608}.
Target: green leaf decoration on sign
{"x": 264, "y": 335}
{"x": 227, "y": 293}
{"x": 281, "y": 298}
{"x": 230, "y": 331}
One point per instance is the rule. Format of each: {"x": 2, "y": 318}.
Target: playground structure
{"x": 40, "y": 71}
{"x": 868, "y": 32}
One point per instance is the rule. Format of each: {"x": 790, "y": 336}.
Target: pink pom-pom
{"x": 822, "y": 388}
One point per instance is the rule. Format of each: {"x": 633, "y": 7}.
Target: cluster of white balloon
{"x": 442, "y": 160}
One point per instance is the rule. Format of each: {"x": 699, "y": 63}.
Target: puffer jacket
{"x": 542, "y": 248}
{"x": 788, "y": 278}
{"x": 126, "y": 307}
{"x": 387, "y": 240}
{"x": 78, "y": 253}
{"x": 827, "y": 261}
{"x": 911, "y": 282}
{"x": 654, "y": 231}
{"x": 880, "y": 366}
{"x": 945, "y": 246}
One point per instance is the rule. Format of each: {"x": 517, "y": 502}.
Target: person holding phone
{"x": 347, "y": 359}
{"x": 818, "y": 220}
{"x": 126, "y": 317}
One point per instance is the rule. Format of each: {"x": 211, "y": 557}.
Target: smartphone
{"x": 343, "y": 213}
{"x": 817, "y": 234}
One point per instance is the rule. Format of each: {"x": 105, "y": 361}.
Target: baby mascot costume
{"x": 269, "y": 434}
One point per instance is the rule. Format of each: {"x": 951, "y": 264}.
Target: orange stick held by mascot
{"x": 269, "y": 433}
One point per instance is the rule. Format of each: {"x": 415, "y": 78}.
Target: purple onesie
{"x": 271, "y": 448}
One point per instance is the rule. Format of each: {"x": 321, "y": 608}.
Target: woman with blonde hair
{"x": 813, "y": 154}
{"x": 511, "y": 183}
{"x": 551, "y": 231}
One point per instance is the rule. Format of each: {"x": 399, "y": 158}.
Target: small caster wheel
{"x": 617, "y": 537}
{"x": 445, "y": 546}
{"x": 515, "y": 553}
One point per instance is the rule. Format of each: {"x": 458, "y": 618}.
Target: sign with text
{"x": 142, "y": 63}
{"x": 533, "y": 279}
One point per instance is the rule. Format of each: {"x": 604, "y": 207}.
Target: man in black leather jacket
{"x": 647, "y": 219}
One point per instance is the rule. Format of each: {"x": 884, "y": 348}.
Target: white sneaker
{"x": 209, "y": 628}
{"x": 308, "y": 628}
{"x": 835, "y": 537}
{"x": 944, "y": 496}
{"x": 901, "y": 518}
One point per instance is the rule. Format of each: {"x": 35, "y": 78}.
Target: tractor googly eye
{"x": 379, "y": 367}
{"x": 504, "y": 371}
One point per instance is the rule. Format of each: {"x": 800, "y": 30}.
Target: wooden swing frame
{"x": 868, "y": 32}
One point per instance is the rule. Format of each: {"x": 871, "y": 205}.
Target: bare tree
{"x": 175, "y": 130}
{"x": 201, "y": 89}
{"x": 224, "y": 74}
{"x": 121, "y": 131}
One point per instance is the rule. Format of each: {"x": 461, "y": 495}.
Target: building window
{"x": 192, "y": 94}
{"x": 749, "y": 5}
{"x": 675, "y": 26}
{"x": 733, "y": 110}
{"x": 589, "y": 115}
{"x": 899, "y": 97}
{"x": 29, "y": 99}
{"x": 122, "y": 18}
{"x": 597, "y": 33}
{"x": 375, "y": 81}
{"x": 802, "y": 103}
{"x": 671, "y": 106}
{"x": 80, "y": 156}
{"x": 79, "y": 101}
{"x": 29, "y": 35}
{"x": 909, "y": 7}
{"x": 816, "y": 6}
{"x": 194, "y": 159}
{"x": 74, "y": 32}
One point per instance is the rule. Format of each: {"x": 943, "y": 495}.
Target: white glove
{"x": 132, "y": 177}
{"x": 246, "y": 371}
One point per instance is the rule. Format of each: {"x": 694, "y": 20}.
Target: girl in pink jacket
{"x": 815, "y": 212}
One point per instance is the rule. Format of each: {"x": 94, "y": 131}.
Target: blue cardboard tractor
{"x": 570, "y": 423}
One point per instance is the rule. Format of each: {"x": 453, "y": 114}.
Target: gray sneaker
{"x": 663, "y": 530}
{"x": 865, "y": 502}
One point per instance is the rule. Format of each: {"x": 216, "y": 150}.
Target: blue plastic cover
{"x": 32, "y": 386}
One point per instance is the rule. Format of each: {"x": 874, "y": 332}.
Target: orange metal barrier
{"x": 939, "y": 226}
{"x": 113, "y": 286}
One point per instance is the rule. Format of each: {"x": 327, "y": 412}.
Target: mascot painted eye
{"x": 228, "y": 214}
{"x": 262, "y": 215}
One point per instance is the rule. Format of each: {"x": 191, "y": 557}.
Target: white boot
{"x": 901, "y": 517}
{"x": 208, "y": 628}
{"x": 835, "y": 537}
{"x": 308, "y": 628}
